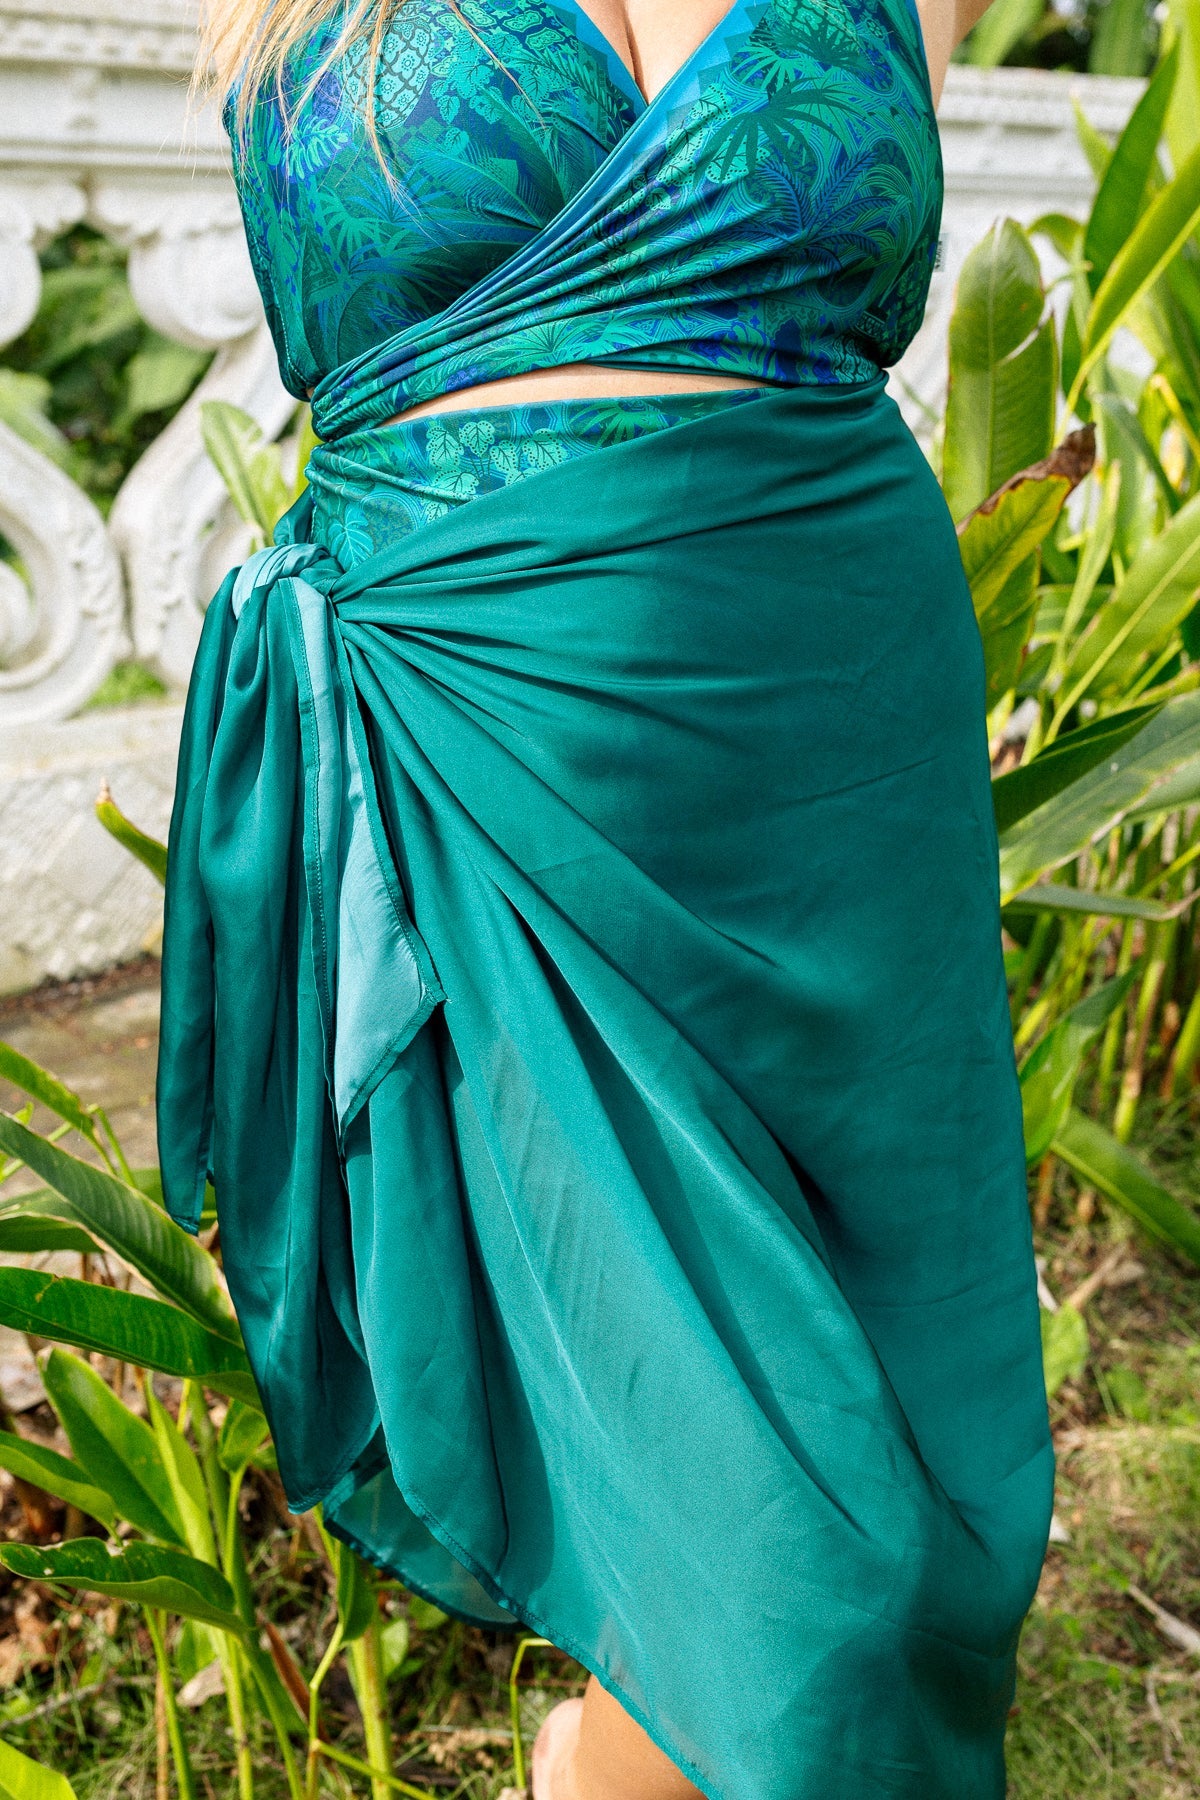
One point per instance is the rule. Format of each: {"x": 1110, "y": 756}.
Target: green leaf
{"x": 250, "y": 467}
{"x": 147, "y": 849}
{"x": 1120, "y": 39}
{"x": 132, "y": 1327}
{"x": 186, "y": 1479}
{"x": 1159, "y": 235}
{"x": 1027, "y": 787}
{"x": 1050, "y": 1071}
{"x": 1054, "y": 897}
{"x": 356, "y": 1597}
{"x": 23, "y": 1779}
{"x": 242, "y": 1431}
{"x": 1129, "y": 1391}
{"x": 1158, "y": 592}
{"x": 115, "y": 1447}
{"x": 1005, "y": 530}
{"x": 1000, "y": 407}
{"x": 58, "y": 1475}
{"x": 144, "y": 1573}
{"x": 26, "y": 1232}
{"x": 1000, "y": 30}
{"x": 160, "y": 376}
{"x": 1122, "y": 193}
{"x": 1094, "y": 144}
{"x": 129, "y": 1223}
{"x": 1116, "y": 1171}
{"x": 1064, "y": 1347}
{"x": 393, "y": 1644}
{"x": 40, "y": 1085}
{"x": 23, "y": 403}
{"x": 1132, "y": 777}
{"x": 81, "y": 309}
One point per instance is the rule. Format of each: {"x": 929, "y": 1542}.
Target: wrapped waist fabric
{"x": 583, "y": 980}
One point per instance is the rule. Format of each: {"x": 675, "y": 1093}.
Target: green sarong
{"x": 583, "y": 981}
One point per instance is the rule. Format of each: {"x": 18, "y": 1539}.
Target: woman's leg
{"x": 611, "y": 1758}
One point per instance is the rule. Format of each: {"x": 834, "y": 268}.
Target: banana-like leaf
{"x": 1001, "y": 534}
{"x": 25, "y": 1232}
{"x": 1064, "y": 761}
{"x": 58, "y": 1475}
{"x": 23, "y": 1779}
{"x": 144, "y": 1573}
{"x": 1158, "y": 592}
{"x": 40, "y": 1085}
{"x": 1050, "y": 1071}
{"x": 1159, "y": 235}
{"x": 132, "y": 1327}
{"x": 115, "y": 1447}
{"x": 148, "y": 850}
{"x": 1003, "y": 377}
{"x": 1122, "y": 193}
{"x": 242, "y": 1432}
{"x": 1132, "y": 777}
{"x": 1104, "y": 1163}
{"x": 186, "y": 1479}
{"x": 139, "y": 1231}
{"x": 250, "y": 467}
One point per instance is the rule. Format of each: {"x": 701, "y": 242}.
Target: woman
{"x": 582, "y": 971}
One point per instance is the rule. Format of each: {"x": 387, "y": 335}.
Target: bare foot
{"x": 554, "y": 1751}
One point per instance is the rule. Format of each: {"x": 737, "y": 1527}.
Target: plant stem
{"x": 365, "y": 1657}
{"x": 314, "y": 1714}
{"x": 183, "y": 1768}
{"x": 1187, "y": 1050}
{"x": 1139, "y": 1031}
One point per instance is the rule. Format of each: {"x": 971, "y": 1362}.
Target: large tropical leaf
{"x": 144, "y": 1573}
{"x": 115, "y": 1447}
{"x": 1064, "y": 761}
{"x": 1135, "y": 776}
{"x": 1122, "y": 193}
{"x": 131, "y": 1327}
{"x": 186, "y": 1479}
{"x": 46, "y": 1088}
{"x": 1158, "y": 592}
{"x": 1002, "y": 532}
{"x": 140, "y": 1232}
{"x": 58, "y": 1475}
{"x": 1104, "y": 1163}
{"x": 23, "y": 1779}
{"x": 1159, "y": 235}
{"x": 1000, "y": 406}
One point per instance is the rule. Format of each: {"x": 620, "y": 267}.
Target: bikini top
{"x": 772, "y": 212}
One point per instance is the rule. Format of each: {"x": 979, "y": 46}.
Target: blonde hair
{"x": 246, "y": 43}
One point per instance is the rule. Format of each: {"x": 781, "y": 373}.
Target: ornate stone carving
{"x": 61, "y": 639}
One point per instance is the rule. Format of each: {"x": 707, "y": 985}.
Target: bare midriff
{"x": 573, "y": 381}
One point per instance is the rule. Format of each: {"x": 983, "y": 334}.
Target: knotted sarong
{"x": 583, "y": 982}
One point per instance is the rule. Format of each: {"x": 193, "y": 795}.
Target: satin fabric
{"x": 582, "y": 977}
{"x": 772, "y": 212}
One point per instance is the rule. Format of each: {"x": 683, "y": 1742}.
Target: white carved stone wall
{"x": 96, "y": 126}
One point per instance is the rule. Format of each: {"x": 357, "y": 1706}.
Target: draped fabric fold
{"x": 582, "y": 978}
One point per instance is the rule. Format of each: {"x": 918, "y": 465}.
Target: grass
{"x": 1106, "y": 1705}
